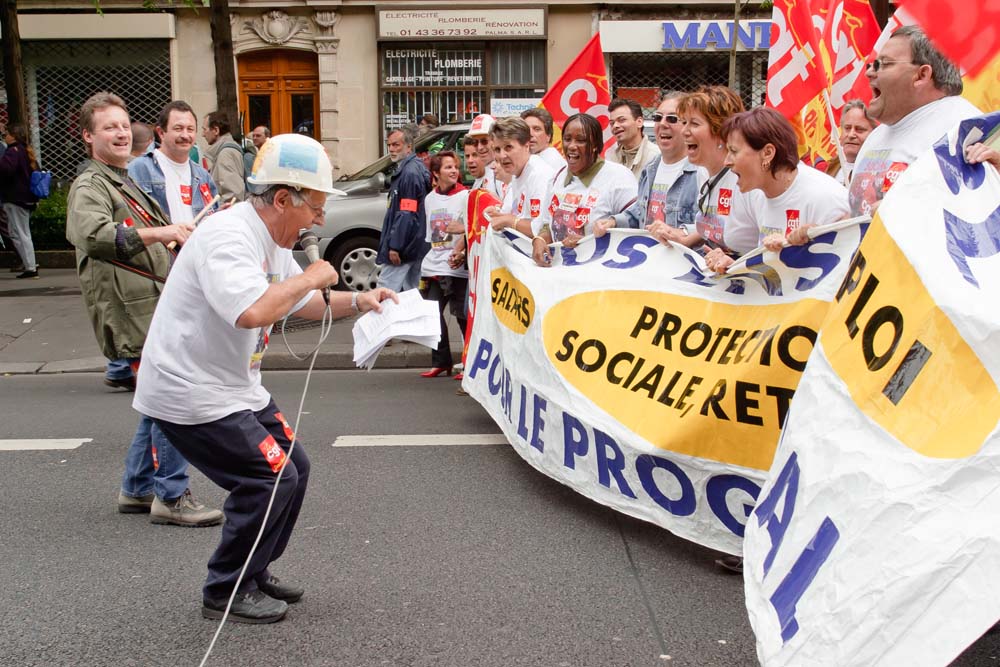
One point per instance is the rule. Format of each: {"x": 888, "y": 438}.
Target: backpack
{"x": 248, "y": 159}
{"x": 40, "y": 183}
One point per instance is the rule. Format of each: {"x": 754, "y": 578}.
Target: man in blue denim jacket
{"x": 180, "y": 186}
{"x": 668, "y": 187}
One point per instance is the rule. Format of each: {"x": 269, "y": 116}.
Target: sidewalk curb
{"x": 338, "y": 356}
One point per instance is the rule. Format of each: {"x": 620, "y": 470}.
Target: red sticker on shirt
{"x": 186, "y": 194}
{"x": 128, "y": 222}
{"x": 536, "y": 207}
{"x": 791, "y": 221}
{"x": 582, "y": 217}
{"x": 892, "y": 175}
{"x": 408, "y": 205}
{"x": 206, "y": 193}
{"x": 553, "y": 205}
{"x": 289, "y": 433}
{"x": 725, "y": 201}
{"x": 272, "y": 452}
{"x": 520, "y": 204}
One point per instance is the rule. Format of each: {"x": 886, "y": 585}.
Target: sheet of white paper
{"x": 412, "y": 319}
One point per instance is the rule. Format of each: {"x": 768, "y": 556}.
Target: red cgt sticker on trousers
{"x": 272, "y": 452}
{"x": 289, "y": 433}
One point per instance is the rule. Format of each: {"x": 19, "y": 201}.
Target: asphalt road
{"x": 411, "y": 555}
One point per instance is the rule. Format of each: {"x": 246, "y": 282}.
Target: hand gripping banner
{"x": 875, "y": 540}
{"x": 630, "y": 374}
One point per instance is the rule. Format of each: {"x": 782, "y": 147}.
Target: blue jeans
{"x": 400, "y": 278}
{"x": 118, "y": 369}
{"x": 168, "y": 480}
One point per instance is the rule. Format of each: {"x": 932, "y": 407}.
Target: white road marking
{"x": 38, "y": 445}
{"x": 429, "y": 440}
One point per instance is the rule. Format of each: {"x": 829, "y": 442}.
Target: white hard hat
{"x": 481, "y": 125}
{"x": 295, "y": 160}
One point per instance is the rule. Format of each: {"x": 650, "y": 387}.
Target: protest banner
{"x": 629, "y": 373}
{"x": 874, "y": 540}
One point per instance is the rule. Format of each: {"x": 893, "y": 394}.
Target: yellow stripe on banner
{"x": 705, "y": 379}
{"x": 905, "y": 364}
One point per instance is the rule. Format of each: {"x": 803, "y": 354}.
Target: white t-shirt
{"x": 440, "y": 211}
{"x": 576, "y": 205}
{"x": 177, "y": 179}
{"x": 529, "y": 190}
{"x": 813, "y": 197}
{"x": 727, "y": 218}
{"x": 843, "y": 174}
{"x": 489, "y": 182}
{"x": 197, "y": 366}
{"x": 553, "y": 158}
{"x": 890, "y": 149}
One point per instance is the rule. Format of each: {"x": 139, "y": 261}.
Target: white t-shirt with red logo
{"x": 890, "y": 149}
{"x": 528, "y": 193}
{"x": 574, "y": 205}
{"x": 553, "y": 158}
{"x": 727, "y": 218}
{"x": 813, "y": 197}
{"x": 197, "y": 365}
{"x": 440, "y": 210}
{"x": 177, "y": 179}
{"x": 489, "y": 182}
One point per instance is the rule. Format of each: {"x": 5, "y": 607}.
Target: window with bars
{"x": 60, "y": 76}
{"x": 455, "y": 81}
{"x": 643, "y": 76}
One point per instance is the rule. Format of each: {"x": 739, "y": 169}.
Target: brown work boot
{"x": 184, "y": 511}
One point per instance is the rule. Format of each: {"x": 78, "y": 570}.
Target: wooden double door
{"x": 280, "y": 90}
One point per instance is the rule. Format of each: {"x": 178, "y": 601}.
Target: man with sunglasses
{"x": 916, "y": 98}
{"x": 668, "y": 187}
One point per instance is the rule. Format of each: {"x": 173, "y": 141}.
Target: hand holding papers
{"x": 411, "y": 319}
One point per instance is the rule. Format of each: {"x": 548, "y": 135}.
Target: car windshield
{"x": 421, "y": 145}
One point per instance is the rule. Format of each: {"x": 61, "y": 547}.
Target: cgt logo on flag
{"x": 582, "y": 88}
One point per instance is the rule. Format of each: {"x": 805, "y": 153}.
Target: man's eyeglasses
{"x": 482, "y": 141}
{"x": 671, "y": 118}
{"x": 878, "y": 63}
{"x": 317, "y": 210}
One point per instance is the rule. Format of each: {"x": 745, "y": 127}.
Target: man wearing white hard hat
{"x": 200, "y": 379}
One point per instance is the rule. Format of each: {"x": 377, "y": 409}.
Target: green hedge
{"x": 48, "y": 222}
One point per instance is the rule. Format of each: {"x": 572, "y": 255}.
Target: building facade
{"x": 347, "y": 71}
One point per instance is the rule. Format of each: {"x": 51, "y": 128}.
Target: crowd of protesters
{"x": 716, "y": 178}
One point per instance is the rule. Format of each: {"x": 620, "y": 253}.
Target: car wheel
{"x": 354, "y": 260}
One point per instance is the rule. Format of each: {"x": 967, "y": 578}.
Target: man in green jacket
{"x": 123, "y": 253}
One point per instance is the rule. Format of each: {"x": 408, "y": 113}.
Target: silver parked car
{"x": 349, "y": 237}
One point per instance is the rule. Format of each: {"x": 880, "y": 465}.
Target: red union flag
{"x": 968, "y": 32}
{"x": 795, "y": 71}
{"x": 848, "y": 32}
{"x": 849, "y": 35}
{"x": 582, "y": 88}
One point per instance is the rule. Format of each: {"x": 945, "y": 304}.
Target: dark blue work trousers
{"x": 233, "y": 452}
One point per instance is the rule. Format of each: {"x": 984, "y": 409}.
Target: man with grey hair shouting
{"x": 915, "y": 97}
